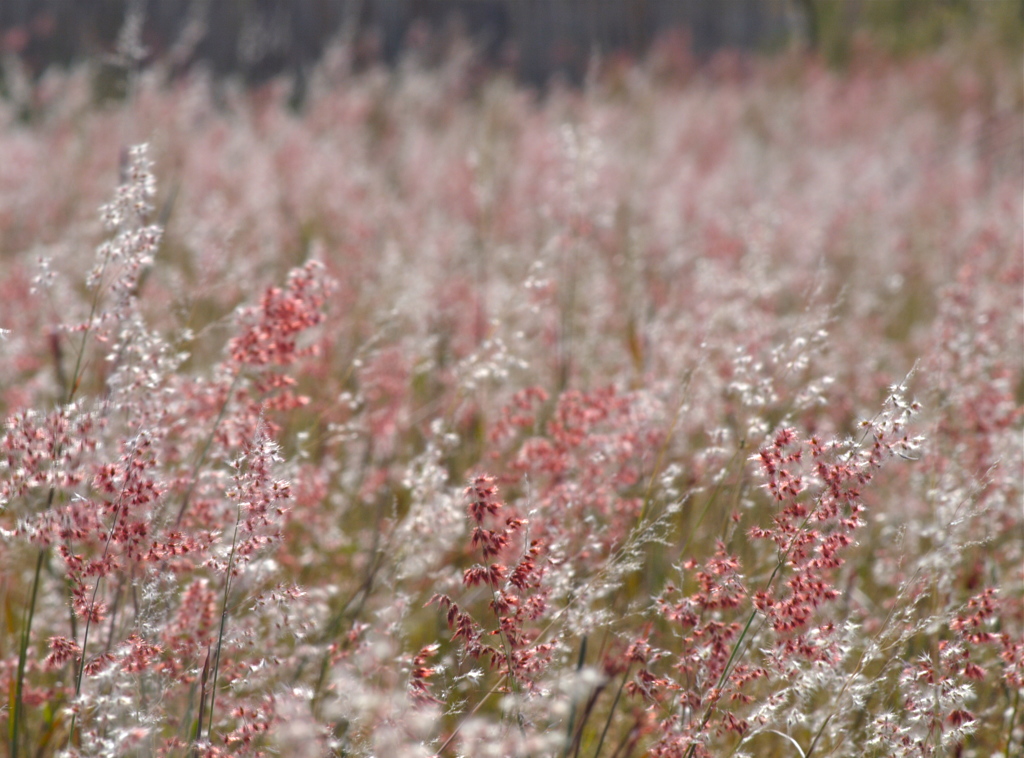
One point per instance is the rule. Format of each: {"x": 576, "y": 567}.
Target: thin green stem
{"x": 1013, "y": 723}
{"x": 580, "y": 660}
{"x": 17, "y": 711}
{"x": 204, "y": 677}
{"x": 223, "y": 621}
{"x": 611, "y": 711}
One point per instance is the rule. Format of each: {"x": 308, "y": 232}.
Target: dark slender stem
{"x": 202, "y": 704}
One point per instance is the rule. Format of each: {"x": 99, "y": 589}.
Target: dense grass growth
{"x": 674, "y": 417}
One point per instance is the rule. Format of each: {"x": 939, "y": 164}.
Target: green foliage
{"x": 905, "y": 28}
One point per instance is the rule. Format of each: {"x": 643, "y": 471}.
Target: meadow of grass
{"x": 677, "y": 416}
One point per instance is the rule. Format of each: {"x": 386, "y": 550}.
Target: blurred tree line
{"x": 533, "y": 39}
{"x": 905, "y": 27}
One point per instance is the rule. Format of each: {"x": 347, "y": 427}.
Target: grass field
{"x": 675, "y": 416}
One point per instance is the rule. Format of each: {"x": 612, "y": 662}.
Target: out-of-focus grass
{"x": 678, "y": 270}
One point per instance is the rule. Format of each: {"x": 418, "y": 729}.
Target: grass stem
{"x": 17, "y": 712}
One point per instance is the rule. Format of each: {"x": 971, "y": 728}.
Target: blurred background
{"x": 536, "y": 41}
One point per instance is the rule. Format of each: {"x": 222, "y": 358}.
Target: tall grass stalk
{"x": 17, "y": 711}
{"x": 223, "y": 624}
